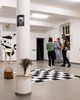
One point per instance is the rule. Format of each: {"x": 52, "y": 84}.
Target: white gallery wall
{"x": 75, "y": 41}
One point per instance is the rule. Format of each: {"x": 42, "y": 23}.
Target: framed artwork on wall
{"x": 20, "y": 20}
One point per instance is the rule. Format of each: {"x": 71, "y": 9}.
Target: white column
{"x": 23, "y": 29}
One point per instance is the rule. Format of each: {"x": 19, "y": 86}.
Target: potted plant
{"x": 25, "y": 63}
{"x": 23, "y": 83}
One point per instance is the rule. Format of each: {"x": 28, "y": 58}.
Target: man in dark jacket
{"x": 64, "y": 51}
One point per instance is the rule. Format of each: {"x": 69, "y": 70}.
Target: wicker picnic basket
{"x": 8, "y": 73}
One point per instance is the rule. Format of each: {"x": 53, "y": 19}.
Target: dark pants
{"x": 65, "y": 59}
{"x": 51, "y": 57}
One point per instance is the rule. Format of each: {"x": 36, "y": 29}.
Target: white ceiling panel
{"x": 66, "y": 4}
{"x": 8, "y": 12}
{"x": 40, "y": 29}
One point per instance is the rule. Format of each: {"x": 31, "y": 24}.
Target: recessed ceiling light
{"x": 36, "y": 15}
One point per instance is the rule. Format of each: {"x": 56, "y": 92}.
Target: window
{"x": 65, "y": 29}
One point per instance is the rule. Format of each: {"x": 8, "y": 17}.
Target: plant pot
{"x": 23, "y": 84}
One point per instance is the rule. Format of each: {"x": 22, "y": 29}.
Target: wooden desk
{"x": 10, "y": 51}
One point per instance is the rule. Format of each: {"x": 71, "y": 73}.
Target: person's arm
{"x": 60, "y": 45}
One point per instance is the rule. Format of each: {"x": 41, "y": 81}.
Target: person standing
{"x": 51, "y": 53}
{"x": 64, "y": 52}
{"x": 58, "y": 50}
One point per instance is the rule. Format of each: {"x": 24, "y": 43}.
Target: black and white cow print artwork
{"x": 9, "y": 41}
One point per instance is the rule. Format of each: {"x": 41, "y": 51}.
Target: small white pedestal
{"x": 23, "y": 84}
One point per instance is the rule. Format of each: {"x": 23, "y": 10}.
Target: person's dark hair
{"x": 58, "y": 38}
{"x": 50, "y": 39}
{"x": 63, "y": 36}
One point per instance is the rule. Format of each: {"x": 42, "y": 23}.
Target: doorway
{"x": 40, "y": 48}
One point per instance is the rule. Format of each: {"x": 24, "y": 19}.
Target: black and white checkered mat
{"x": 42, "y": 75}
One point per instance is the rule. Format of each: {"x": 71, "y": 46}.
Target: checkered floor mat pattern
{"x": 42, "y": 75}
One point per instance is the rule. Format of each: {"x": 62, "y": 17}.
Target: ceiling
{"x": 41, "y": 29}
{"x": 66, "y": 4}
{"x": 54, "y": 18}
{"x": 9, "y": 12}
